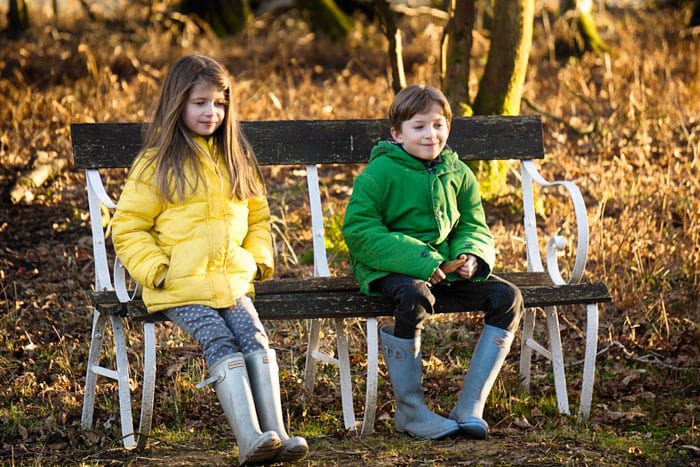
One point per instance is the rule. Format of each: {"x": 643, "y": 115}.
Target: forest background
{"x": 623, "y": 124}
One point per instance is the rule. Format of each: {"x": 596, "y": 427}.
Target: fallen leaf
{"x": 522, "y": 423}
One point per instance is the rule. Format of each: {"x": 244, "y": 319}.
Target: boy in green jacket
{"x": 417, "y": 233}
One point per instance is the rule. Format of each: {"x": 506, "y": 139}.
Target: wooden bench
{"x": 313, "y": 143}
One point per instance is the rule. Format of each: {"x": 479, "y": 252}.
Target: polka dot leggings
{"x": 222, "y": 332}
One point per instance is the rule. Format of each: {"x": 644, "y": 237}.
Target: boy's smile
{"x": 424, "y": 135}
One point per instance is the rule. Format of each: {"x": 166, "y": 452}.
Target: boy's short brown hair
{"x": 415, "y": 99}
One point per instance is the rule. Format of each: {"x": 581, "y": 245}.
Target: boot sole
{"x": 265, "y": 451}
{"x": 434, "y": 437}
{"x": 291, "y": 455}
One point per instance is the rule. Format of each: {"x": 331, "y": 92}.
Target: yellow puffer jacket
{"x": 204, "y": 250}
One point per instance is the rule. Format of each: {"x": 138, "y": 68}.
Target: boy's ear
{"x": 396, "y": 134}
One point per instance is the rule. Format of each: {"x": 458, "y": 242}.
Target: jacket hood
{"x": 395, "y": 151}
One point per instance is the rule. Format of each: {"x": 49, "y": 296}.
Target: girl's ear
{"x": 396, "y": 134}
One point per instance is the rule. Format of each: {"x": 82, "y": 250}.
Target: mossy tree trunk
{"x": 326, "y": 18}
{"x": 226, "y": 17}
{"x": 455, "y": 53}
{"x": 500, "y": 89}
{"x": 393, "y": 35}
{"x": 17, "y": 17}
{"x": 501, "y": 86}
{"x": 576, "y": 30}
{"x": 695, "y": 17}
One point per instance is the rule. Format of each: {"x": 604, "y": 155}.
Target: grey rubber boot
{"x": 233, "y": 390}
{"x": 264, "y": 379}
{"x": 487, "y": 360}
{"x": 403, "y": 359}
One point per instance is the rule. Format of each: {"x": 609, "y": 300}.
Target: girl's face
{"x": 424, "y": 135}
{"x": 205, "y": 109}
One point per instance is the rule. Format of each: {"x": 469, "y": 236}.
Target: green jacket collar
{"x": 395, "y": 152}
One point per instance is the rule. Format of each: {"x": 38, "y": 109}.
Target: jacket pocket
{"x": 187, "y": 259}
{"x": 168, "y": 273}
{"x": 241, "y": 263}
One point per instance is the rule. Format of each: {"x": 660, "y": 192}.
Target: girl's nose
{"x": 209, "y": 108}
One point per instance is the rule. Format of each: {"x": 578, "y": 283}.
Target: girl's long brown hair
{"x": 173, "y": 146}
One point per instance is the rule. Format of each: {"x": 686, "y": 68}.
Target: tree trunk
{"x": 500, "y": 89}
{"x": 576, "y": 31}
{"x": 501, "y": 86}
{"x": 455, "y": 54}
{"x": 17, "y": 17}
{"x": 695, "y": 17}
{"x": 393, "y": 35}
{"x": 326, "y": 18}
{"x": 226, "y": 17}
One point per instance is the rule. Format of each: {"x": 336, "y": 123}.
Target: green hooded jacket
{"x": 405, "y": 218}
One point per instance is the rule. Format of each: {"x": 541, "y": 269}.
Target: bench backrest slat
{"x": 108, "y": 145}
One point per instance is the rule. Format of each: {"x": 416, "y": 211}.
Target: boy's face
{"x": 424, "y": 135}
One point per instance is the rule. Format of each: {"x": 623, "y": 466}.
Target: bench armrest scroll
{"x": 530, "y": 174}
{"x": 120, "y": 287}
{"x": 95, "y": 184}
{"x": 97, "y": 196}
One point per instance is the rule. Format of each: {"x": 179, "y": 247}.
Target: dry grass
{"x": 625, "y": 128}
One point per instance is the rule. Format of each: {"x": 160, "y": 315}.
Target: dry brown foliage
{"x": 624, "y": 127}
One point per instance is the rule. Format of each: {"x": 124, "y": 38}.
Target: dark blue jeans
{"x": 415, "y": 299}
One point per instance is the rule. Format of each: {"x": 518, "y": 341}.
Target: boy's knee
{"x": 413, "y": 304}
{"x": 415, "y": 293}
{"x": 507, "y": 302}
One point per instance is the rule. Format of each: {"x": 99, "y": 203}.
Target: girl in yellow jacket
{"x": 193, "y": 228}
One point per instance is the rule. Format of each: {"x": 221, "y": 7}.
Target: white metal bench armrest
{"x": 556, "y": 243}
{"x": 120, "y": 286}
{"x": 94, "y": 181}
{"x": 97, "y": 196}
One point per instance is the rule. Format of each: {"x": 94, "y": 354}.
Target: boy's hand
{"x": 445, "y": 268}
{"x": 438, "y": 276}
{"x": 468, "y": 267}
{"x": 451, "y": 266}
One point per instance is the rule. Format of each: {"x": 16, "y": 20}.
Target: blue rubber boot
{"x": 487, "y": 360}
{"x": 403, "y": 359}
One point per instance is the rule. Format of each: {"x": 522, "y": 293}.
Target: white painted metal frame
{"x": 530, "y": 174}
{"x": 98, "y": 197}
{"x": 313, "y": 355}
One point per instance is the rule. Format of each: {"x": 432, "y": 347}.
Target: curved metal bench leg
{"x": 589, "y": 361}
{"x": 149, "y": 383}
{"x": 371, "y": 386}
{"x": 557, "y": 360}
{"x": 344, "y": 371}
{"x": 525, "y": 349}
{"x": 127, "y": 421}
{"x": 99, "y": 322}
{"x": 311, "y": 351}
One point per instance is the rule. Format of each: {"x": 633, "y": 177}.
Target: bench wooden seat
{"x": 324, "y": 298}
{"x": 339, "y": 297}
